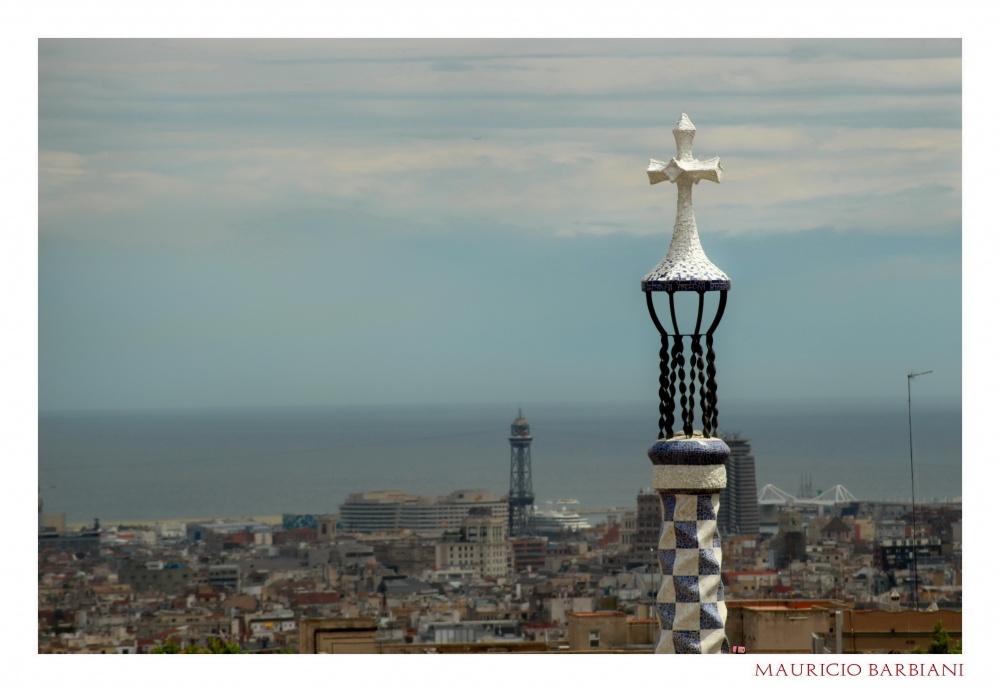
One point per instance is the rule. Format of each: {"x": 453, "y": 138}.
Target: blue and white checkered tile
{"x": 667, "y": 559}
{"x": 686, "y": 588}
{"x": 690, "y": 604}
{"x": 679, "y": 507}
{"x": 666, "y": 613}
{"x": 669, "y": 502}
{"x": 679, "y": 642}
{"x": 692, "y": 642}
{"x": 709, "y": 561}
{"x": 686, "y": 534}
{"x": 708, "y": 507}
{"x": 710, "y": 618}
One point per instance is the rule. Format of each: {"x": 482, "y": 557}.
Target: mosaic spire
{"x": 689, "y": 468}
{"x": 685, "y": 267}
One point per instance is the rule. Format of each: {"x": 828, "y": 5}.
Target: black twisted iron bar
{"x": 666, "y": 421}
{"x": 681, "y": 384}
{"x": 702, "y": 389}
{"x": 713, "y": 409}
{"x": 672, "y": 389}
{"x": 697, "y": 364}
{"x": 692, "y": 362}
{"x": 666, "y": 392}
{"x": 679, "y": 367}
{"x": 713, "y": 387}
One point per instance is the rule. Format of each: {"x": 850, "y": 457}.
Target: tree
{"x": 941, "y": 643}
{"x": 215, "y": 646}
{"x": 168, "y": 647}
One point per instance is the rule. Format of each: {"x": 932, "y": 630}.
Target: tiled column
{"x": 688, "y": 474}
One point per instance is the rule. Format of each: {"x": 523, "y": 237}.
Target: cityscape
{"x": 475, "y": 571}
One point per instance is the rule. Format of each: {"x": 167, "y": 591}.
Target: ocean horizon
{"x": 163, "y": 464}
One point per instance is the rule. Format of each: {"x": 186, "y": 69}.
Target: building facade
{"x": 395, "y": 510}
{"x": 155, "y": 575}
{"x": 738, "y": 510}
{"x": 480, "y": 545}
{"x": 528, "y": 553}
{"x": 649, "y": 521}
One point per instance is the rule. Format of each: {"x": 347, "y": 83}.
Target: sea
{"x": 128, "y": 466}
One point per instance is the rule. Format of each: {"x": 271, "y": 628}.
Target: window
{"x": 595, "y": 639}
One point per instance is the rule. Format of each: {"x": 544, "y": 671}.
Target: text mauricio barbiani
{"x": 853, "y": 670}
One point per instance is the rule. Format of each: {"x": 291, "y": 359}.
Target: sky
{"x": 309, "y": 222}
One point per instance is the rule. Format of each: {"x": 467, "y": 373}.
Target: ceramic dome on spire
{"x": 685, "y": 267}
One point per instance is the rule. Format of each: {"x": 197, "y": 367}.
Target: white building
{"x": 480, "y": 545}
{"x": 394, "y": 510}
{"x": 261, "y": 626}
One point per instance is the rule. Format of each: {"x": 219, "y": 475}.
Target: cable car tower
{"x": 521, "y": 498}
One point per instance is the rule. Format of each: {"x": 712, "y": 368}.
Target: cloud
{"x": 414, "y": 71}
{"x": 435, "y": 136}
{"x": 451, "y": 66}
{"x": 906, "y": 268}
{"x": 806, "y": 180}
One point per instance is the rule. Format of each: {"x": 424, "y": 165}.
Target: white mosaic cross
{"x": 685, "y": 267}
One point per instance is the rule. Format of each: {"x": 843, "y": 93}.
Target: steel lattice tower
{"x": 521, "y": 498}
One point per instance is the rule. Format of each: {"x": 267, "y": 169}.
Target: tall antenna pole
{"x": 913, "y": 491}
{"x": 521, "y": 498}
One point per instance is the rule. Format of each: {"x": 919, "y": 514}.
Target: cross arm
{"x": 695, "y": 170}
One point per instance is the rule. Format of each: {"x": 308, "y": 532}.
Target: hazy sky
{"x": 281, "y": 222}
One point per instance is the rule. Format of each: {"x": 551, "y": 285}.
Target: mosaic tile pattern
{"x": 683, "y": 467}
{"x": 690, "y": 478}
{"x": 690, "y": 604}
{"x": 694, "y": 451}
{"x": 685, "y": 266}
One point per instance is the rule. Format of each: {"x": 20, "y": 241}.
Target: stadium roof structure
{"x": 838, "y": 494}
{"x": 773, "y": 495}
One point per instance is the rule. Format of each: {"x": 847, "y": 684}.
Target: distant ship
{"x": 557, "y": 521}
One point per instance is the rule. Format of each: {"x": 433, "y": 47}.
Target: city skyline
{"x": 267, "y": 223}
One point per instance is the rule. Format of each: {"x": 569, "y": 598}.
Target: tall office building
{"x": 649, "y": 523}
{"x": 739, "y": 514}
